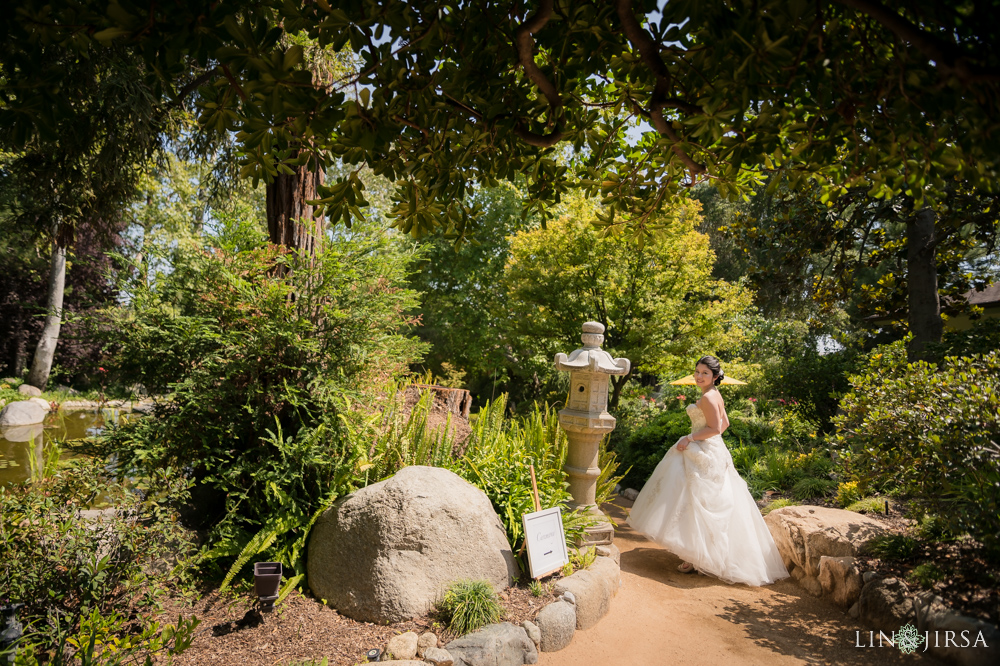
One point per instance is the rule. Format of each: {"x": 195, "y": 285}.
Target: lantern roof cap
{"x": 590, "y": 357}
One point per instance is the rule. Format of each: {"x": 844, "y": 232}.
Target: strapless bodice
{"x": 697, "y": 417}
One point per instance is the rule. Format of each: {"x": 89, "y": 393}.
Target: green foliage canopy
{"x": 897, "y": 97}
{"x": 657, "y": 300}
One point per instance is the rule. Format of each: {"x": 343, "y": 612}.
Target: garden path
{"x": 661, "y": 616}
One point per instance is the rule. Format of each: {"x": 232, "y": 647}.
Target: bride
{"x": 696, "y": 505}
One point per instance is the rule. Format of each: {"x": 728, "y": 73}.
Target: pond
{"x": 23, "y": 448}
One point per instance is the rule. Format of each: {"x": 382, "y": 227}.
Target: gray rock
{"x": 21, "y": 413}
{"x": 855, "y": 610}
{"x": 426, "y": 640}
{"x": 593, "y": 589}
{"x": 403, "y": 662}
{"x": 618, "y": 488}
{"x": 973, "y": 642}
{"x": 885, "y": 605}
{"x": 534, "y": 633}
{"x": 804, "y": 534}
{"x": 439, "y": 657}
{"x": 840, "y": 580}
{"x": 630, "y": 494}
{"x": 494, "y": 645}
{"x": 569, "y": 597}
{"x": 611, "y": 551}
{"x": 27, "y": 389}
{"x": 143, "y": 407}
{"x": 41, "y": 402}
{"x": 557, "y": 623}
{"x": 869, "y": 576}
{"x": 387, "y": 552}
{"x": 403, "y": 646}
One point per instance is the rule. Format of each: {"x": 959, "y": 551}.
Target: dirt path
{"x": 661, "y": 616}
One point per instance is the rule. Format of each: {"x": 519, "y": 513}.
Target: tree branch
{"x": 947, "y": 56}
{"x": 650, "y": 54}
{"x": 525, "y": 51}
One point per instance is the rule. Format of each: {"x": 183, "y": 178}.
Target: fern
{"x": 258, "y": 544}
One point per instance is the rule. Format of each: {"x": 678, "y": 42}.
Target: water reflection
{"x": 23, "y": 447}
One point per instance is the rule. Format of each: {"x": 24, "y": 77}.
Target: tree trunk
{"x": 290, "y": 220}
{"x": 921, "y": 277}
{"x": 46, "y": 349}
{"x": 617, "y": 384}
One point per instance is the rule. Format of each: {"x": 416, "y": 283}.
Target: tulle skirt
{"x": 696, "y": 505}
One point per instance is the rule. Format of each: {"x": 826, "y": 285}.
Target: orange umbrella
{"x": 689, "y": 381}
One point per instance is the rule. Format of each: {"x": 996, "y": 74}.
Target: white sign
{"x": 546, "y": 542}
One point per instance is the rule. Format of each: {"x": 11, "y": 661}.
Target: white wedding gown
{"x": 696, "y": 505}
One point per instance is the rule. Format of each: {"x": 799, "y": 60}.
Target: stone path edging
{"x": 585, "y": 598}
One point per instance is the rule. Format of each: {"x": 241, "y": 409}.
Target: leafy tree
{"x": 464, "y": 306}
{"x": 876, "y": 257}
{"x": 898, "y": 97}
{"x": 78, "y": 171}
{"x": 657, "y": 300}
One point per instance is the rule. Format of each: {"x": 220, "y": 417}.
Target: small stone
{"x": 855, "y": 611}
{"x": 557, "y": 623}
{"x": 630, "y": 494}
{"x": 884, "y": 604}
{"x": 27, "y": 389}
{"x": 618, "y": 489}
{"x": 568, "y": 597}
{"x": 435, "y": 655}
{"x": 403, "y": 646}
{"x": 501, "y": 644}
{"x": 868, "y": 576}
{"x": 610, "y": 550}
{"x": 426, "y": 640}
{"x": 534, "y": 633}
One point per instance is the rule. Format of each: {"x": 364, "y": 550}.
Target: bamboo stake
{"x": 534, "y": 488}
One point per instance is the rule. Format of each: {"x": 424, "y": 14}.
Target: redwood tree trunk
{"x": 921, "y": 277}
{"x": 46, "y": 350}
{"x": 290, "y": 220}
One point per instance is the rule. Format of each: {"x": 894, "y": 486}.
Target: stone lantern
{"x": 586, "y": 420}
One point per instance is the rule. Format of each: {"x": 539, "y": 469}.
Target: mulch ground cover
{"x": 969, "y": 583}
{"x": 301, "y": 629}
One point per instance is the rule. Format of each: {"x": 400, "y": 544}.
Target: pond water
{"x": 23, "y": 448}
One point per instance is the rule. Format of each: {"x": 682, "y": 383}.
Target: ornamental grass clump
{"x": 469, "y": 605}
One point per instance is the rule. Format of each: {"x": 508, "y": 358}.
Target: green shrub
{"x": 868, "y": 505}
{"x": 777, "y": 504}
{"x": 773, "y": 471}
{"x": 469, "y": 605}
{"x": 536, "y": 588}
{"x": 848, "y": 493}
{"x": 81, "y": 578}
{"x": 259, "y": 350}
{"x": 933, "y": 433}
{"x": 744, "y": 458}
{"x": 926, "y": 574}
{"x": 811, "y": 487}
{"x": 982, "y": 337}
{"x": 892, "y": 547}
{"x": 647, "y": 445}
{"x": 496, "y": 459}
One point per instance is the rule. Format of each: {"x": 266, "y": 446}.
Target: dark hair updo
{"x": 713, "y": 364}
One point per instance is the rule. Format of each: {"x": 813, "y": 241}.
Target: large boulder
{"x": 387, "y": 552}
{"x": 27, "y": 389}
{"x": 953, "y": 637}
{"x": 805, "y": 534}
{"x": 885, "y": 604}
{"x": 494, "y": 645}
{"x": 21, "y": 413}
